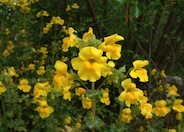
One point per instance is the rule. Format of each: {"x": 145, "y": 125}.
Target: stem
{"x": 4, "y": 111}
{"x": 102, "y": 83}
{"x": 93, "y": 109}
{"x": 120, "y": 107}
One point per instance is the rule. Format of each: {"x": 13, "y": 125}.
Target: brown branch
{"x": 176, "y": 49}
{"x": 93, "y": 15}
{"x": 180, "y": 28}
{"x": 172, "y": 61}
{"x": 159, "y": 57}
{"x": 155, "y": 26}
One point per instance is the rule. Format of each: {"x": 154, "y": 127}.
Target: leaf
{"x": 89, "y": 93}
{"x": 137, "y": 9}
{"x": 97, "y": 122}
{"x": 118, "y": 74}
{"x": 122, "y": 2}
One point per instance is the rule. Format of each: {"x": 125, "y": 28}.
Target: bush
{"x": 57, "y": 78}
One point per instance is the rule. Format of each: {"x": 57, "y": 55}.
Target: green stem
{"x": 4, "y": 111}
{"x": 121, "y": 107}
{"x": 120, "y": 112}
{"x": 93, "y": 109}
{"x": 102, "y": 83}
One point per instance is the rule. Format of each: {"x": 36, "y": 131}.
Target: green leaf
{"x": 137, "y": 9}
{"x": 89, "y": 93}
{"x": 97, "y": 122}
{"x": 118, "y": 74}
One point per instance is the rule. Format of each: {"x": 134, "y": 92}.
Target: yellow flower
{"x": 7, "y": 31}
{"x": 146, "y": 108}
{"x": 113, "y": 50}
{"x": 12, "y": 72}
{"x": 80, "y": 91}
{"x": 160, "y": 108}
{"x": 24, "y": 85}
{"x": 42, "y": 13}
{"x": 138, "y": 70}
{"x": 64, "y": 59}
{"x": 68, "y": 8}
{"x": 75, "y": 6}
{"x": 172, "y": 130}
{"x": 43, "y": 50}
{"x": 6, "y": 53}
{"x": 47, "y": 28}
{"x": 42, "y": 101}
{"x": 61, "y": 68}
{"x": 178, "y": 106}
{"x": 78, "y": 125}
{"x": 111, "y": 64}
{"x": 105, "y": 96}
{"x": 70, "y": 41}
{"x": 41, "y": 70}
{"x": 105, "y": 100}
{"x": 131, "y": 94}
{"x": 91, "y": 65}
{"x": 163, "y": 73}
{"x": 57, "y": 20}
{"x": 179, "y": 116}
{"x": 41, "y": 89}
{"x": 88, "y": 35}
{"x": 126, "y": 115}
{"x": 86, "y": 103}
{"x": 38, "y": 15}
{"x": 43, "y": 109}
{"x": 4, "y": 1}
{"x": 2, "y": 88}
{"x": 68, "y": 120}
{"x": 31, "y": 67}
{"x": 66, "y": 93}
{"x": 172, "y": 89}
{"x": 10, "y": 46}
{"x": 60, "y": 81}
{"x": 45, "y": 13}
{"x": 153, "y": 72}
{"x": 62, "y": 78}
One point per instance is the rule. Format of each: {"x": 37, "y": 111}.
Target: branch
{"x": 158, "y": 54}
{"x": 93, "y": 15}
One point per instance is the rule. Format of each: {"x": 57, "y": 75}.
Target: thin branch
{"x": 93, "y": 15}
{"x": 151, "y": 61}
{"x": 158, "y": 53}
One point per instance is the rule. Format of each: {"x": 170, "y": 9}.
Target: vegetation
{"x": 74, "y": 65}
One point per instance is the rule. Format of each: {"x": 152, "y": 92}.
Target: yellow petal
{"x": 140, "y": 63}
{"x": 127, "y": 84}
{"x": 60, "y": 67}
{"x": 77, "y": 63}
{"x": 88, "y": 52}
{"x": 90, "y": 72}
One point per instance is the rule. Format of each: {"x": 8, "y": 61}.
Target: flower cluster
{"x": 62, "y": 80}
{"x": 73, "y": 6}
{"x": 2, "y": 88}
{"x": 9, "y": 49}
{"x": 24, "y": 85}
{"x": 54, "y": 21}
{"x": 40, "y": 92}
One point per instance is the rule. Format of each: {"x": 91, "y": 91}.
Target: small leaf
{"x": 97, "y": 122}
{"x": 89, "y": 94}
{"x": 118, "y": 74}
{"x": 137, "y": 9}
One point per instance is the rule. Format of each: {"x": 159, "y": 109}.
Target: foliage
{"x": 69, "y": 67}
